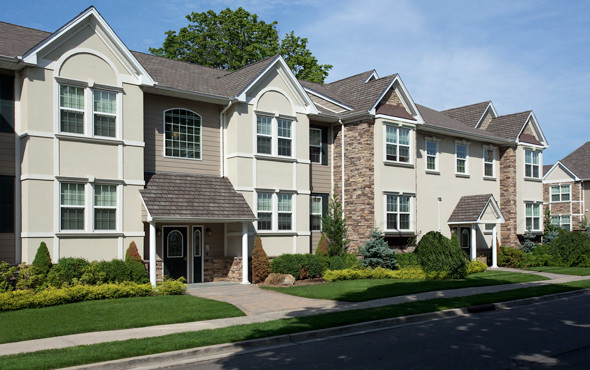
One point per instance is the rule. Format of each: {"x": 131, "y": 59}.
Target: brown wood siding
{"x": 320, "y": 176}
{"x": 326, "y": 104}
{"x": 7, "y": 247}
{"x": 154, "y": 107}
{"x": 7, "y": 154}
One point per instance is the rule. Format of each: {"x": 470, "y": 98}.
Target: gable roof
{"x": 509, "y": 126}
{"x": 469, "y": 115}
{"x": 17, "y": 40}
{"x": 471, "y": 208}
{"x": 578, "y": 161}
{"x": 173, "y": 196}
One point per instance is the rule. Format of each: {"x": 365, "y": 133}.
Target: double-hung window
{"x": 562, "y": 221}
{"x": 560, "y": 193}
{"x": 315, "y": 145}
{"x": 533, "y": 216}
{"x": 73, "y": 205}
{"x": 105, "y": 207}
{"x": 105, "y": 113}
{"x": 488, "y": 162}
{"x": 71, "y": 109}
{"x": 398, "y": 212}
{"x": 397, "y": 144}
{"x": 461, "y": 159}
{"x": 285, "y": 213}
{"x": 531, "y": 164}
{"x": 182, "y": 134}
{"x": 274, "y": 136}
{"x": 316, "y": 213}
{"x": 431, "y": 155}
{"x": 265, "y": 211}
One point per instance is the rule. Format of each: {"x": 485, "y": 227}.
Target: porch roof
{"x": 178, "y": 197}
{"x": 471, "y": 210}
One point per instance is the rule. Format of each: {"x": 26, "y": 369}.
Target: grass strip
{"x": 138, "y": 347}
{"x": 369, "y": 289}
{"x": 109, "y": 314}
{"x": 578, "y": 271}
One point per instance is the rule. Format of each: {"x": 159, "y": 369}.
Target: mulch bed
{"x": 297, "y": 283}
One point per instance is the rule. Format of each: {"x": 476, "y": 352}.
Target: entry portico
{"x": 472, "y": 211}
{"x": 198, "y": 226}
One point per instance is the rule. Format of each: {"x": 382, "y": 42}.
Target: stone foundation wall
{"x": 508, "y": 233}
{"x": 225, "y": 269}
{"x": 359, "y": 179}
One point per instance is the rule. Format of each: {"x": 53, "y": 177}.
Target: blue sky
{"x": 521, "y": 55}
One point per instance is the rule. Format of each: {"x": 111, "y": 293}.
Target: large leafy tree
{"x": 235, "y": 38}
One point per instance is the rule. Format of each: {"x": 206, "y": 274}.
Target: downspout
{"x": 222, "y": 140}
{"x": 342, "y": 161}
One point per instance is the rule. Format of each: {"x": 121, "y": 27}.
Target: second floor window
{"x": 101, "y": 115}
{"x": 531, "y": 164}
{"x": 397, "y": 144}
{"x": 560, "y": 193}
{"x": 274, "y": 136}
{"x": 182, "y": 134}
{"x": 105, "y": 113}
{"x": 284, "y": 138}
{"x": 71, "y": 109}
{"x": 461, "y": 154}
{"x": 315, "y": 145}
{"x": 488, "y": 162}
{"x": 432, "y": 155}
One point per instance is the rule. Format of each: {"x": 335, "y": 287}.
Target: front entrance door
{"x": 175, "y": 251}
{"x": 197, "y": 254}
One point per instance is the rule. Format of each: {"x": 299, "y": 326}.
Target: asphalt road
{"x": 550, "y": 334}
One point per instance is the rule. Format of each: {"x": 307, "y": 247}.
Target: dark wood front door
{"x": 175, "y": 251}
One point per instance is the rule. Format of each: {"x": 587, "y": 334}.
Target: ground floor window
{"x": 398, "y": 212}
{"x": 6, "y": 204}
{"x": 533, "y": 216}
{"x": 563, "y": 221}
{"x": 73, "y": 206}
{"x": 76, "y": 198}
{"x": 275, "y": 211}
{"x": 319, "y": 208}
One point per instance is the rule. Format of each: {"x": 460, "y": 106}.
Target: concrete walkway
{"x": 260, "y": 305}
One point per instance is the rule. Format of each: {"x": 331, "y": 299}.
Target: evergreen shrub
{"x": 68, "y": 270}
{"x": 300, "y": 266}
{"x": 376, "y": 252}
{"x": 571, "y": 249}
{"x": 137, "y": 271}
{"x": 407, "y": 259}
{"x": 260, "y": 263}
{"x": 440, "y": 257}
{"x": 42, "y": 259}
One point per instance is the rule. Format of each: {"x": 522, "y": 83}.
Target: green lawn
{"x": 139, "y": 347}
{"x": 109, "y": 314}
{"x": 579, "y": 271}
{"x": 365, "y": 290}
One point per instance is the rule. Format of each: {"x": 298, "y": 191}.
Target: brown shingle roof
{"x": 578, "y": 161}
{"x": 188, "y": 196}
{"x": 469, "y": 208}
{"x": 17, "y": 40}
{"x": 469, "y": 114}
{"x": 546, "y": 168}
{"x": 508, "y": 126}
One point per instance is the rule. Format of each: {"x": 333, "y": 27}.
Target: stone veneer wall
{"x": 359, "y": 179}
{"x": 574, "y": 207}
{"x": 225, "y": 269}
{"x": 508, "y": 232}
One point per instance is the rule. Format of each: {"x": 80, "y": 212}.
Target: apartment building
{"x": 103, "y": 146}
{"x": 566, "y": 189}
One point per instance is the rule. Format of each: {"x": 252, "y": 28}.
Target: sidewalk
{"x": 260, "y": 305}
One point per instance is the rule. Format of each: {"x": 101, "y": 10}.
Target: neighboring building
{"x": 566, "y": 188}
{"x": 103, "y": 146}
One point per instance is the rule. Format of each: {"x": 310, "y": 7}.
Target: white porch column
{"x": 245, "y": 253}
{"x": 153, "y": 253}
{"x": 473, "y": 241}
{"x": 494, "y": 248}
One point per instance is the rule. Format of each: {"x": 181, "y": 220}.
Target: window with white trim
{"x": 182, "y": 134}
{"x": 73, "y": 205}
{"x": 264, "y": 206}
{"x": 73, "y": 111}
{"x": 563, "y": 221}
{"x": 560, "y": 193}
{"x": 533, "y": 216}
{"x": 431, "y": 155}
{"x": 461, "y": 159}
{"x": 531, "y": 164}
{"x": 316, "y": 213}
{"x": 315, "y": 145}
{"x": 105, "y": 207}
{"x": 398, "y": 212}
{"x": 488, "y": 162}
{"x": 397, "y": 144}
{"x": 274, "y": 136}
{"x": 488, "y": 228}
{"x": 285, "y": 211}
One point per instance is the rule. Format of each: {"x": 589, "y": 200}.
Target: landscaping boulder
{"x": 279, "y": 279}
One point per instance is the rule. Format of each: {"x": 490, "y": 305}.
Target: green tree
{"x": 233, "y": 39}
{"x": 376, "y": 252}
{"x": 334, "y": 228}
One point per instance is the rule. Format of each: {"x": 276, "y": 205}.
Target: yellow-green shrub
{"x": 476, "y": 266}
{"x": 414, "y": 272}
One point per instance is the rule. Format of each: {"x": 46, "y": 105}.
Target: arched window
{"x": 182, "y": 134}
{"x": 175, "y": 244}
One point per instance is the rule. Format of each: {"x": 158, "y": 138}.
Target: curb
{"x": 254, "y": 345}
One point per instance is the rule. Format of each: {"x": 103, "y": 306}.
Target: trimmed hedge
{"x": 300, "y": 266}
{"x": 413, "y": 273}
{"x": 476, "y": 266}
{"x": 19, "y": 299}
{"x": 440, "y": 257}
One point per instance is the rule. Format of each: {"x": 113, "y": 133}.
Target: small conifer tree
{"x": 334, "y": 227}
{"x": 528, "y": 244}
{"x": 376, "y": 252}
{"x": 322, "y": 250}
{"x": 135, "y": 265}
{"x": 42, "y": 259}
{"x": 132, "y": 253}
{"x": 260, "y": 262}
